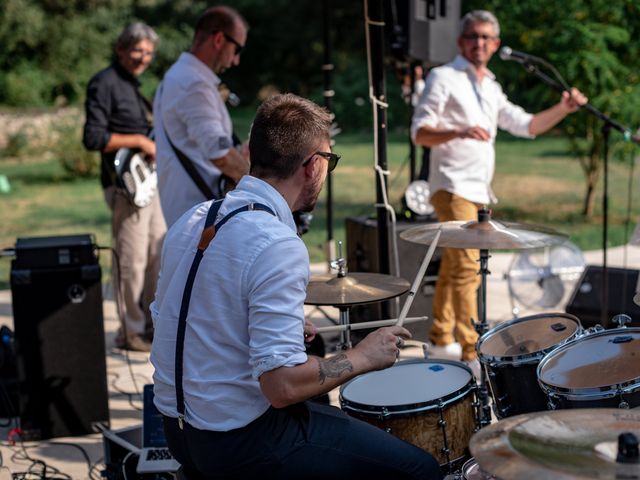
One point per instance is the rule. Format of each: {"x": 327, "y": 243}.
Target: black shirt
{"x": 114, "y": 105}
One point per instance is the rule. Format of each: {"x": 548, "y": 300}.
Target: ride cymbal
{"x": 557, "y": 445}
{"x": 484, "y": 235}
{"x": 353, "y": 289}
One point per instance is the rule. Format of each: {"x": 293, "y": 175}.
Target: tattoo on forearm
{"x": 333, "y": 367}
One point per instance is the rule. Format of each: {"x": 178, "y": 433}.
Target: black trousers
{"x": 308, "y": 440}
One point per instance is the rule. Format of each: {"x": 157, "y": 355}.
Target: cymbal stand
{"x": 484, "y": 215}
{"x": 340, "y": 264}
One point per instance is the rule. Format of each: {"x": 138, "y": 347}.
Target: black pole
{"x": 375, "y": 26}
{"x": 328, "y": 93}
{"x": 606, "y": 129}
{"x": 412, "y": 146}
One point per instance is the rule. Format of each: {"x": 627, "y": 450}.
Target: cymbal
{"x": 557, "y": 445}
{"x": 353, "y": 289}
{"x": 484, "y": 235}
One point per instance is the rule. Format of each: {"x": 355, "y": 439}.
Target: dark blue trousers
{"x": 304, "y": 441}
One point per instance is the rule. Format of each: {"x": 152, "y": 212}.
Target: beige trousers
{"x": 137, "y": 239}
{"x": 455, "y": 299}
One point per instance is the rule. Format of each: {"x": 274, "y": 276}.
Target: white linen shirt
{"x": 189, "y": 107}
{"x": 453, "y": 99}
{"x": 246, "y": 313}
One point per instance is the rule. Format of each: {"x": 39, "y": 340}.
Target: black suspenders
{"x": 208, "y": 233}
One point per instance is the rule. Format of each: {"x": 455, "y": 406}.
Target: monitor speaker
{"x": 362, "y": 256}
{"x": 586, "y": 300}
{"x": 60, "y": 344}
{"x": 424, "y": 30}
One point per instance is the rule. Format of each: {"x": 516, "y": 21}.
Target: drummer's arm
{"x": 289, "y": 385}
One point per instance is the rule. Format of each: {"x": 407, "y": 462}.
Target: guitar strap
{"x": 208, "y": 233}
{"x": 190, "y": 167}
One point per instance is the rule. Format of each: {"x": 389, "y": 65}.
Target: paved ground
{"x": 127, "y": 373}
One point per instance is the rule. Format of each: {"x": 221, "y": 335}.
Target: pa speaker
{"x": 59, "y": 339}
{"x": 424, "y": 30}
{"x": 362, "y": 256}
{"x": 586, "y": 300}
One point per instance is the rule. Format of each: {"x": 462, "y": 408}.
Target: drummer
{"x": 246, "y": 377}
{"x": 458, "y": 116}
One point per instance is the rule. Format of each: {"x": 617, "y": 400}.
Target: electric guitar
{"x": 136, "y": 176}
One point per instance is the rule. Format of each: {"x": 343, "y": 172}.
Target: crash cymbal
{"x": 353, "y": 289}
{"x": 484, "y": 235}
{"x": 557, "y": 445}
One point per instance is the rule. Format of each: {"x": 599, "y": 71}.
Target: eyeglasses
{"x": 139, "y": 53}
{"x": 332, "y": 157}
{"x": 478, "y": 36}
{"x": 237, "y": 44}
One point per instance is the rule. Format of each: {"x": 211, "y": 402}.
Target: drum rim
{"x": 408, "y": 409}
{"x": 595, "y": 393}
{"x": 527, "y": 358}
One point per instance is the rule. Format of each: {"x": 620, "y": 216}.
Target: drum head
{"x": 527, "y": 336}
{"x": 604, "y": 359}
{"x": 407, "y": 384}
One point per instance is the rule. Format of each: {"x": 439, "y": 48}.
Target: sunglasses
{"x": 237, "y": 44}
{"x": 332, "y": 157}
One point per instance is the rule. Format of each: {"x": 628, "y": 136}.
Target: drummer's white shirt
{"x": 246, "y": 312}
{"x": 453, "y": 99}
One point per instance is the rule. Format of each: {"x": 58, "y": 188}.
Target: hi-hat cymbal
{"x": 484, "y": 235}
{"x": 557, "y": 445}
{"x": 353, "y": 289}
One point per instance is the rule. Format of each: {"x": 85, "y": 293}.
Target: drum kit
{"x": 562, "y": 395}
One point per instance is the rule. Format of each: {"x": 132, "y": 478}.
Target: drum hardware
{"x": 561, "y": 445}
{"x": 622, "y": 319}
{"x": 483, "y": 234}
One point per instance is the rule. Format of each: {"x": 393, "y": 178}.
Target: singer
{"x": 458, "y": 115}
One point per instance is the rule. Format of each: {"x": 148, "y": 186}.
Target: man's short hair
{"x": 479, "y": 16}
{"x": 135, "y": 33}
{"x": 286, "y": 131}
{"x": 221, "y": 18}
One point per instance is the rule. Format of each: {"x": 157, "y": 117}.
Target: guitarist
{"x": 118, "y": 116}
{"x": 193, "y": 127}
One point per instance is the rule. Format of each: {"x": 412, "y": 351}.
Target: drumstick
{"x": 361, "y": 325}
{"x": 418, "y": 279}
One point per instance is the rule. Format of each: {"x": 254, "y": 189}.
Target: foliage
{"x": 73, "y": 157}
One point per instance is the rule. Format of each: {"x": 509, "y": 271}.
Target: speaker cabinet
{"x": 60, "y": 344}
{"x": 424, "y": 30}
{"x": 362, "y": 256}
{"x": 586, "y": 300}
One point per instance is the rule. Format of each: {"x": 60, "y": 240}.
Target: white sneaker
{"x": 475, "y": 367}
{"x": 451, "y": 351}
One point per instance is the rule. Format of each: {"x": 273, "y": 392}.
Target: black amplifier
{"x": 54, "y": 252}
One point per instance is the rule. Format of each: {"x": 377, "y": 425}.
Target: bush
{"x": 71, "y": 154}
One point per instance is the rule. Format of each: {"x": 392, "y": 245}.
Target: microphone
{"x": 507, "y": 53}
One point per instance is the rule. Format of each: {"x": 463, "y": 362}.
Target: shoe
{"x": 451, "y": 351}
{"x": 475, "y": 367}
{"x": 134, "y": 343}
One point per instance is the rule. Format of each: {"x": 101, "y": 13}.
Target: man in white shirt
{"x": 459, "y": 113}
{"x": 236, "y": 355}
{"x": 191, "y": 114}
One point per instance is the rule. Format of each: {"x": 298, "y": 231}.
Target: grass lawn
{"x": 535, "y": 182}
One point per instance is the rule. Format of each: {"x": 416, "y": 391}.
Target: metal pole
{"x": 327, "y": 68}
{"x": 375, "y": 24}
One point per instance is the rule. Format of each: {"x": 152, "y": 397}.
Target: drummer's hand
{"x": 309, "y": 331}
{"x": 381, "y": 348}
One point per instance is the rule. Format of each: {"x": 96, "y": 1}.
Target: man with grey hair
{"x": 458, "y": 116}
{"x": 193, "y": 126}
{"x": 117, "y": 117}
{"x": 232, "y": 377}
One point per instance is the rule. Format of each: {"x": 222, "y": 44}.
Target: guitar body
{"x": 136, "y": 176}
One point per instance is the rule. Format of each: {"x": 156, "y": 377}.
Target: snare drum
{"x": 511, "y": 353}
{"x": 428, "y": 403}
{"x": 472, "y": 471}
{"x": 597, "y": 370}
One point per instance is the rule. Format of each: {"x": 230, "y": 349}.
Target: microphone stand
{"x": 608, "y": 124}
{"x": 327, "y": 68}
